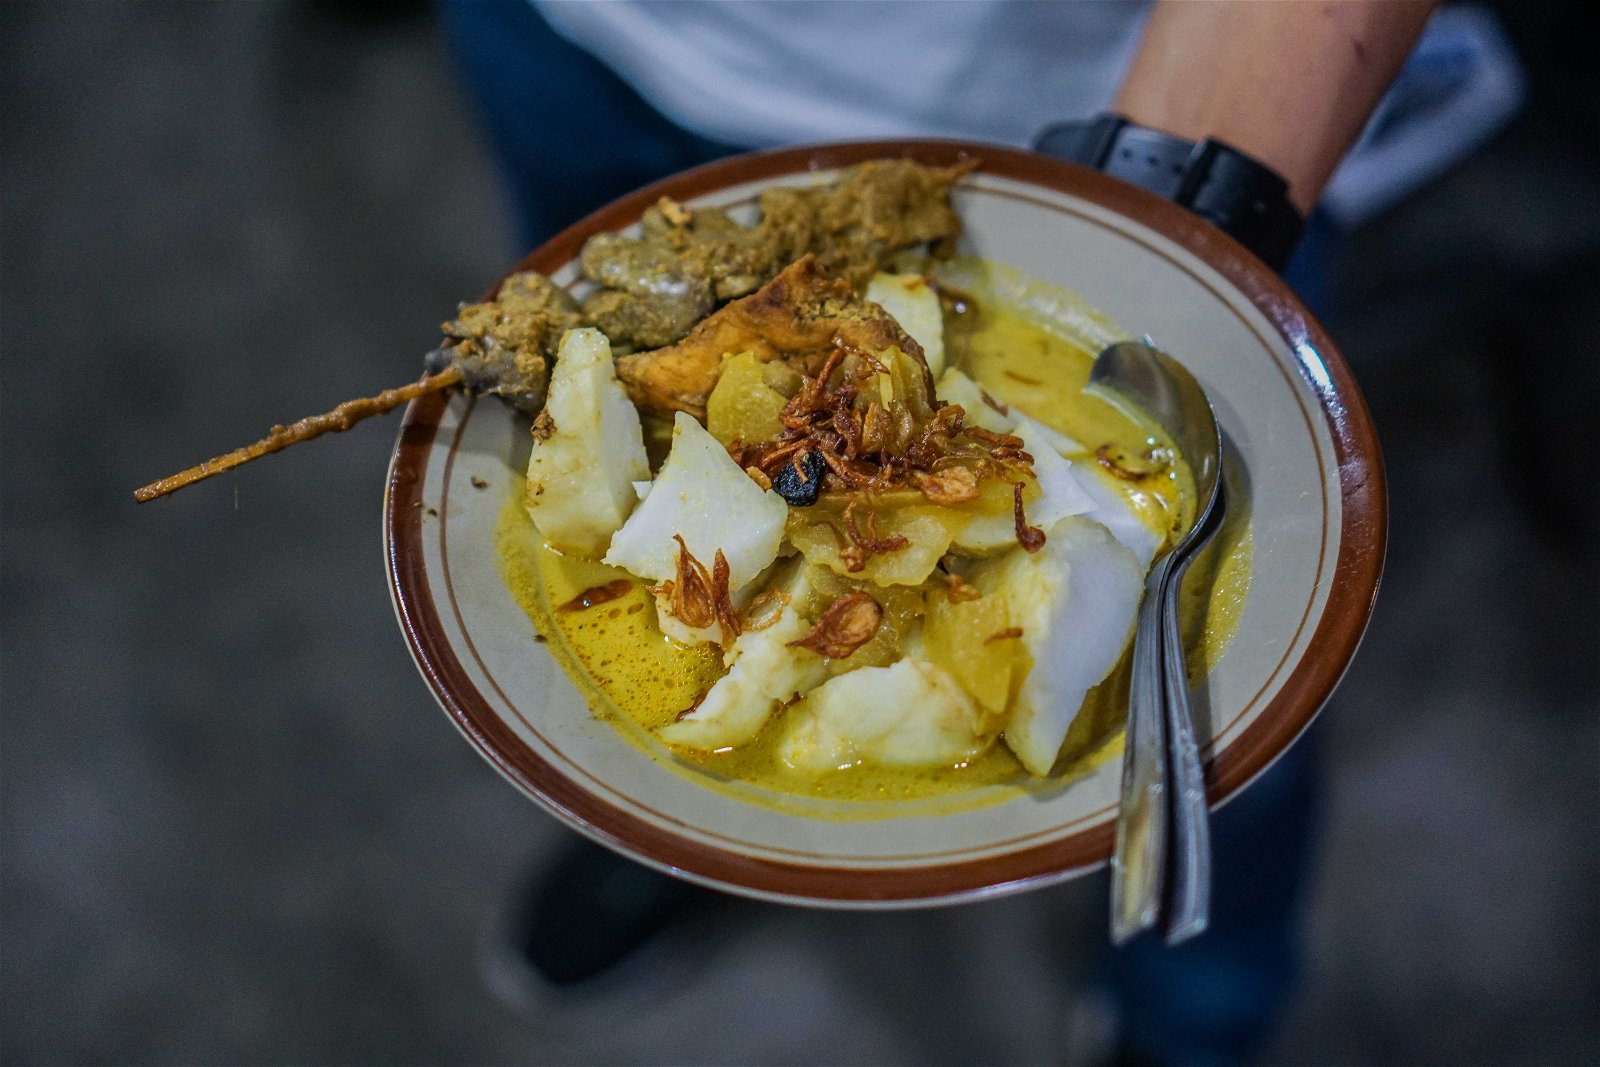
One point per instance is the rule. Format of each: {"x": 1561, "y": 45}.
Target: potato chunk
{"x": 975, "y": 641}
{"x": 909, "y": 714}
{"x": 744, "y": 405}
{"x": 702, "y": 496}
{"x": 823, "y": 538}
{"x": 915, "y": 306}
{"x": 580, "y": 475}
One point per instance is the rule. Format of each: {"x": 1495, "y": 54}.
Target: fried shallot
{"x": 697, "y": 598}
{"x": 1031, "y": 538}
{"x": 690, "y": 594}
{"x": 598, "y": 594}
{"x": 953, "y": 485}
{"x": 959, "y": 590}
{"x": 870, "y": 444}
{"x": 864, "y": 544}
{"x": 847, "y": 624}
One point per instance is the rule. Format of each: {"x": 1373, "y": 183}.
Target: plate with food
{"x": 771, "y": 536}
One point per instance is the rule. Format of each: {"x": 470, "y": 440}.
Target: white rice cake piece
{"x": 908, "y": 714}
{"x": 983, "y": 410}
{"x": 1040, "y": 434}
{"x": 1075, "y": 600}
{"x": 764, "y": 673}
{"x": 1060, "y": 496}
{"x": 579, "y": 488}
{"x": 1115, "y": 512}
{"x": 915, "y": 306}
{"x": 954, "y": 387}
{"x": 702, "y": 496}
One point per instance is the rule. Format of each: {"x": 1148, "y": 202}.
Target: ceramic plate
{"x": 1311, "y": 478}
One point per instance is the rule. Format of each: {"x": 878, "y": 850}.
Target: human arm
{"x": 1290, "y": 84}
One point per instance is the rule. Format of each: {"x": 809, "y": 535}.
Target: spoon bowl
{"x": 1163, "y": 836}
{"x": 1162, "y": 388}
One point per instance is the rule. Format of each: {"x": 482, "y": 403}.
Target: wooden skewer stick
{"x": 338, "y": 420}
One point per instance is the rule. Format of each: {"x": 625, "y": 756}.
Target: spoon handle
{"x": 1189, "y": 895}
{"x": 1139, "y": 861}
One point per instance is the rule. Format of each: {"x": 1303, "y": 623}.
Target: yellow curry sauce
{"x": 640, "y": 680}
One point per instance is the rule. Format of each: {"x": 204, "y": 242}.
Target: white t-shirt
{"x": 760, "y": 74}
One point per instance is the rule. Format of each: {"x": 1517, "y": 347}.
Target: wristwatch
{"x": 1243, "y": 198}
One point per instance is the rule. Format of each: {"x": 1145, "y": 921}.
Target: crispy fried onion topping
{"x": 1133, "y": 468}
{"x": 700, "y": 698}
{"x": 862, "y": 544}
{"x": 1029, "y": 537}
{"x": 870, "y": 443}
{"x": 960, "y": 590}
{"x": 765, "y": 609}
{"x": 992, "y": 402}
{"x": 598, "y": 594}
{"x": 698, "y": 598}
{"x": 849, "y": 623}
{"x": 953, "y": 485}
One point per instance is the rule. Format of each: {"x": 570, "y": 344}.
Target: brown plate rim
{"x": 1357, "y": 568}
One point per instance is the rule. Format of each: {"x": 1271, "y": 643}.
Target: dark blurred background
{"x": 235, "y": 828}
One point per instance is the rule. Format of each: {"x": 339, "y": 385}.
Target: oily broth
{"x": 1019, "y": 360}
{"x": 1019, "y": 363}
{"x": 634, "y": 676}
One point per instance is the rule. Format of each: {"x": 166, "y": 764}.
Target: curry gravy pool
{"x": 638, "y": 679}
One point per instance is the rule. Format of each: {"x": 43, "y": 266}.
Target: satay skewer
{"x": 504, "y": 346}
{"x": 338, "y": 420}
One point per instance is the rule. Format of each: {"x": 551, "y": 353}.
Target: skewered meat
{"x": 654, "y": 289}
{"x": 505, "y": 346}
{"x": 657, "y": 285}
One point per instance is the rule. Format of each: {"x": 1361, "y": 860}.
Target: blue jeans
{"x": 569, "y": 135}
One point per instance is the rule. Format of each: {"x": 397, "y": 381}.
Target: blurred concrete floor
{"x": 235, "y": 828}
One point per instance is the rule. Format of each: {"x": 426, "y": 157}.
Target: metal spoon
{"x": 1161, "y": 775}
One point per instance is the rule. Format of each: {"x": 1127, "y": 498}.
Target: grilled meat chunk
{"x": 657, "y": 285}
{"x": 504, "y": 346}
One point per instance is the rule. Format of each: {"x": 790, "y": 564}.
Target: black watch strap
{"x": 1239, "y": 196}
